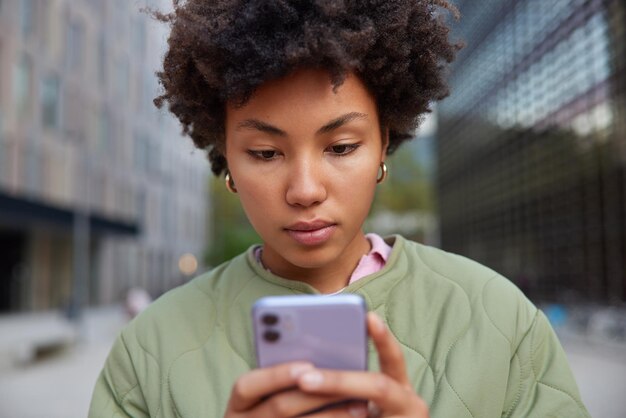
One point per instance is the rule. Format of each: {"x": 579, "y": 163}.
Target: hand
{"x": 389, "y": 392}
{"x": 272, "y": 392}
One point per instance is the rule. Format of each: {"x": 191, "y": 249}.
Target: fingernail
{"x": 312, "y": 380}
{"x": 299, "y": 369}
{"x": 358, "y": 411}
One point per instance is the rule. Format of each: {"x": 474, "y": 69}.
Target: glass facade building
{"x": 532, "y": 146}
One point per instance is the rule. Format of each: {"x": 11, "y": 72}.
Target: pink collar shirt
{"x": 369, "y": 263}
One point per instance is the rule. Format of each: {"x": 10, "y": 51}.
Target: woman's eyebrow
{"x": 340, "y": 121}
{"x": 258, "y": 125}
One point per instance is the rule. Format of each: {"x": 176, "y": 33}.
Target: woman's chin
{"x": 297, "y": 261}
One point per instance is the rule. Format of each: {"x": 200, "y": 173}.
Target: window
{"x": 74, "y": 44}
{"x": 137, "y": 151}
{"x": 74, "y": 112}
{"x": 121, "y": 19}
{"x": 32, "y": 166}
{"x": 22, "y": 85}
{"x": 97, "y": 5}
{"x": 50, "y": 102}
{"x": 26, "y": 17}
{"x": 43, "y": 23}
{"x": 148, "y": 91}
{"x": 122, "y": 81}
{"x": 104, "y": 131}
{"x": 102, "y": 59}
{"x": 139, "y": 36}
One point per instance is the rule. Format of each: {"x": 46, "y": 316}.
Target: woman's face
{"x": 304, "y": 160}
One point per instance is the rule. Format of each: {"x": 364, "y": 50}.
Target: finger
{"x": 390, "y": 395}
{"x": 389, "y": 352}
{"x": 356, "y": 409}
{"x": 253, "y": 386}
{"x": 294, "y": 403}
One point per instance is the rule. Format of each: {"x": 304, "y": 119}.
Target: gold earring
{"x": 383, "y": 174}
{"x": 230, "y": 184}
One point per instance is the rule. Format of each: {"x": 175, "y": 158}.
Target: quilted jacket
{"x": 474, "y": 345}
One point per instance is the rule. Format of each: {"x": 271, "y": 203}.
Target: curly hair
{"x": 221, "y": 51}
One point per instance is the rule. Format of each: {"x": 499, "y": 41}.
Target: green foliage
{"x": 407, "y": 188}
{"x": 232, "y": 233}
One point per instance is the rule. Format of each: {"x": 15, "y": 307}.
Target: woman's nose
{"x": 306, "y": 184}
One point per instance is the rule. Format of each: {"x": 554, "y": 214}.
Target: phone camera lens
{"x": 271, "y": 336}
{"x": 269, "y": 319}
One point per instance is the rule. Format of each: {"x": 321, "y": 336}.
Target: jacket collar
{"x": 373, "y": 287}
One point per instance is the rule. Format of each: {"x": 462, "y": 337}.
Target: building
{"x": 98, "y": 191}
{"x": 532, "y": 146}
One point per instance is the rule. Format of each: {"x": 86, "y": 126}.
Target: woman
{"x": 298, "y": 103}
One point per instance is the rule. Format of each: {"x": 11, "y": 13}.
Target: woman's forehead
{"x": 308, "y": 94}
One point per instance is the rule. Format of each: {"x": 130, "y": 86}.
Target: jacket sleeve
{"x": 541, "y": 383}
{"x": 118, "y": 392}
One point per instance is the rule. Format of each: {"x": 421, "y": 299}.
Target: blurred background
{"x": 104, "y": 206}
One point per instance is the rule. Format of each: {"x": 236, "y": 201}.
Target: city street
{"x": 60, "y": 386}
{"x": 507, "y": 124}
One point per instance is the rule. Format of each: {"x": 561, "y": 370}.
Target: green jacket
{"x": 474, "y": 345}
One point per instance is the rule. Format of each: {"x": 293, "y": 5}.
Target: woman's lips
{"x": 314, "y": 233}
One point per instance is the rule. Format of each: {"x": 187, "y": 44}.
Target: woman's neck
{"x": 330, "y": 277}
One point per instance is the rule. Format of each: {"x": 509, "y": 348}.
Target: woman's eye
{"x": 343, "y": 149}
{"x": 264, "y": 154}
{"x": 268, "y": 154}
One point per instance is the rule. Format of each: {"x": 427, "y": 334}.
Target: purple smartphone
{"x": 328, "y": 331}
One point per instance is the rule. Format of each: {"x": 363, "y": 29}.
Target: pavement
{"x": 600, "y": 371}
{"x": 24, "y": 336}
{"x": 61, "y": 384}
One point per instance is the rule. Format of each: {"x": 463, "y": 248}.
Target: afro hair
{"x": 221, "y": 51}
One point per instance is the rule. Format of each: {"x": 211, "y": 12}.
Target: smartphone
{"x": 328, "y": 331}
